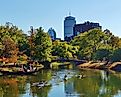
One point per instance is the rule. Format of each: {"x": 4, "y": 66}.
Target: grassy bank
{"x": 56, "y": 65}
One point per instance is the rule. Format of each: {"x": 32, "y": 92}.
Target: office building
{"x": 52, "y": 33}
{"x": 69, "y": 23}
{"x": 80, "y": 28}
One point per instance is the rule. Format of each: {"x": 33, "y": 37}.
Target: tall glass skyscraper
{"x": 52, "y": 33}
{"x": 69, "y": 23}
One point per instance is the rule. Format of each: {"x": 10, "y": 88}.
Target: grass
{"x": 55, "y": 65}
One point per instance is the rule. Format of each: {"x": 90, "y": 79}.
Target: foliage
{"x": 14, "y": 33}
{"x": 102, "y": 55}
{"x": 9, "y": 50}
{"x": 42, "y": 45}
{"x": 116, "y": 55}
{"x": 114, "y": 42}
{"x": 91, "y": 41}
{"x": 12, "y": 40}
{"x": 63, "y": 49}
{"x": 92, "y": 45}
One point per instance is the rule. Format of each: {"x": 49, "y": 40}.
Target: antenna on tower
{"x": 69, "y": 13}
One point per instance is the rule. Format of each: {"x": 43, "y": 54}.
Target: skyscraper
{"x": 69, "y": 23}
{"x": 52, "y": 33}
{"x": 71, "y": 29}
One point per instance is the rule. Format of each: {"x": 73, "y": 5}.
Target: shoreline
{"x": 115, "y": 66}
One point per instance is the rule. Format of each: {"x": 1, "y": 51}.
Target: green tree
{"x": 114, "y": 42}
{"x": 116, "y": 55}
{"x": 102, "y": 55}
{"x": 89, "y": 42}
{"x": 43, "y": 44}
{"x": 64, "y": 50}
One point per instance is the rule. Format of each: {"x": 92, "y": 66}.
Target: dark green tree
{"x": 89, "y": 42}
{"x": 102, "y": 55}
{"x": 116, "y": 55}
{"x": 43, "y": 44}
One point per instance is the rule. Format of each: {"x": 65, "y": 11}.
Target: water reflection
{"x": 69, "y": 89}
{"x": 95, "y": 84}
{"x": 105, "y": 78}
{"x": 104, "y": 75}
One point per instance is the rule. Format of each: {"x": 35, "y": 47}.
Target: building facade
{"x": 52, "y": 33}
{"x": 80, "y": 28}
{"x": 69, "y": 23}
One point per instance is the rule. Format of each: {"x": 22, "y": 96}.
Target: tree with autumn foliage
{"x": 12, "y": 42}
{"x": 10, "y": 50}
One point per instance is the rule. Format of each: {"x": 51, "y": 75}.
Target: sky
{"x": 51, "y": 13}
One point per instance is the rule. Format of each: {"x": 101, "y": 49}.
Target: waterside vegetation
{"x": 95, "y": 45}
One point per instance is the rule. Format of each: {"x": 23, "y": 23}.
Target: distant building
{"x": 52, "y": 33}
{"x": 69, "y": 23}
{"x": 80, "y": 28}
{"x": 72, "y": 29}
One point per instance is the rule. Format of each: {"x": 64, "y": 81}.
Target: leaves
{"x": 43, "y": 44}
{"x": 95, "y": 42}
{"x": 10, "y": 50}
{"x": 64, "y": 50}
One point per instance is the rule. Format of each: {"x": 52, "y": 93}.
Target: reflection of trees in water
{"x": 96, "y": 85}
{"x": 113, "y": 85}
{"x": 43, "y": 75}
{"x": 87, "y": 86}
{"x": 19, "y": 85}
{"x": 110, "y": 84}
{"x": 11, "y": 87}
{"x": 43, "y": 92}
{"x": 22, "y": 84}
{"x": 104, "y": 82}
{"x": 104, "y": 75}
{"x": 69, "y": 87}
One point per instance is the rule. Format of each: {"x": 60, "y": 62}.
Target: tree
{"x": 89, "y": 42}
{"x": 16, "y": 34}
{"x": 43, "y": 44}
{"x": 1, "y": 49}
{"x": 114, "y": 42}
{"x": 102, "y": 55}
{"x": 116, "y": 55}
{"x": 10, "y": 49}
{"x": 64, "y": 50}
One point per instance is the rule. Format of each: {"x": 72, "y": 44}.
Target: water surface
{"x": 96, "y": 83}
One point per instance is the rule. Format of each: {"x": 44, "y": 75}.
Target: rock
{"x": 116, "y": 66}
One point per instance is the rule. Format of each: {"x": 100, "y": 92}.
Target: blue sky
{"x": 51, "y": 13}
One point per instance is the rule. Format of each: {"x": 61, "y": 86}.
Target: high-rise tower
{"x": 69, "y": 23}
{"x": 52, "y": 33}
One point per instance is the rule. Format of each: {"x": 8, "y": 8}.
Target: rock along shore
{"x": 116, "y": 66}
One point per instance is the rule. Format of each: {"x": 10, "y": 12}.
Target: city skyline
{"x": 52, "y": 13}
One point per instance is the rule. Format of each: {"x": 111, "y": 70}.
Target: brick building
{"x": 80, "y": 28}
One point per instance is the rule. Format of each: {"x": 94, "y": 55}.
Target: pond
{"x": 95, "y": 83}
